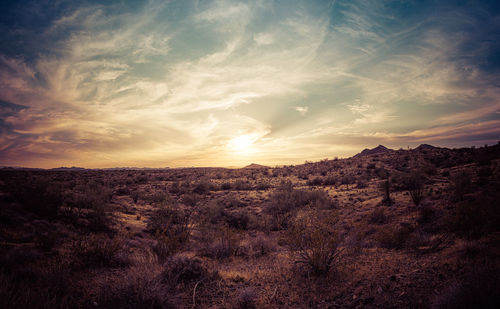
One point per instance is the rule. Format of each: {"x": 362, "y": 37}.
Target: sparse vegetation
{"x": 310, "y": 235}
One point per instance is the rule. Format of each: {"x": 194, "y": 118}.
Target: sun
{"x": 242, "y": 143}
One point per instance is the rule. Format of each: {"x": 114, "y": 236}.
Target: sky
{"x": 228, "y": 83}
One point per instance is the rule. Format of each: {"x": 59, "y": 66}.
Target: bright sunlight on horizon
{"x": 229, "y": 83}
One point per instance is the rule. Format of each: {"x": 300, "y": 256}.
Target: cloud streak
{"x": 173, "y": 83}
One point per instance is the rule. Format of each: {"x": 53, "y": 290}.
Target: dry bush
{"x": 414, "y": 183}
{"x": 96, "y": 251}
{"x": 385, "y": 187}
{"x": 261, "y": 246}
{"x": 203, "y": 187}
{"x": 247, "y": 298}
{"x": 475, "y": 218}
{"x": 378, "y": 216}
{"x": 425, "y": 213}
{"x": 480, "y": 289}
{"x": 316, "y": 181}
{"x": 214, "y": 213}
{"x": 361, "y": 183}
{"x": 460, "y": 184}
{"x": 241, "y": 185}
{"x": 137, "y": 287}
{"x": 219, "y": 244}
{"x": 170, "y": 226}
{"x": 395, "y": 237}
{"x": 285, "y": 201}
{"x": 314, "y": 240}
{"x": 39, "y": 195}
{"x": 90, "y": 200}
{"x": 262, "y": 185}
{"x": 46, "y": 287}
{"x": 180, "y": 269}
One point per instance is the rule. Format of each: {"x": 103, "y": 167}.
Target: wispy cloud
{"x": 173, "y": 83}
{"x": 302, "y": 109}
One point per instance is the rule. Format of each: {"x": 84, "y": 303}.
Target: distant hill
{"x": 63, "y": 168}
{"x": 426, "y": 147}
{"x": 255, "y": 166}
{"x": 376, "y": 150}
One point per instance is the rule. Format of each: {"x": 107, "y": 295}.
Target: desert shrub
{"x": 261, "y": 246}
{"x": 479, "y": 289}
{"x": 38, "y": 195}
{"x": 225, "y": 243}
{"x": 484, "y": 171}
{"x": 237, "y": 219}
{"x": 312, "y": 237}
{"x": 98, "y": 219}
{"x": 93, "y": 196}
{"x": 225, "y": 186}
{"x": 429, "y": 169}
{"x": 414, "y": 183}
{"x": 203, "y": 187}
{"x": 460, "y": 184}
{"x": 385, "y": 187}
{"x": 141, "y": 179}
{"x": 247, "y": 298}
{"x": 157, "y": 197}
{"x": 18, "y": 257}
{"x": 425, "y": 213}
{"x": 49, "y": 287}
{"x": 347, "y": 180}
{"x": 262, "y": 185}
{"x": 170, "y": 226}
{"x": 394, "y": 237}
{"x": 241, "y": 185}
{"x": 381, "y": 173}
{"x": 361, "y": 183}
{"x": 316, "y": 181}
{"x": 47, "y": 240}
{"x": 96, "y": 251}
{"x": 475, "y": 218}
{"x": 174, "y": 188}
{"x": 214, "y": 213}
{"x": 182, "y": 269}
{"x": 191, "y": 199}
{"x": 135, "y": 288}
{"x": 285, "y": 201}
{"x": 378, "y": 216}
{"x": 330, "y": 181}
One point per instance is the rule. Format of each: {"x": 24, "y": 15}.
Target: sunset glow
{"x": 226, "y": 83}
